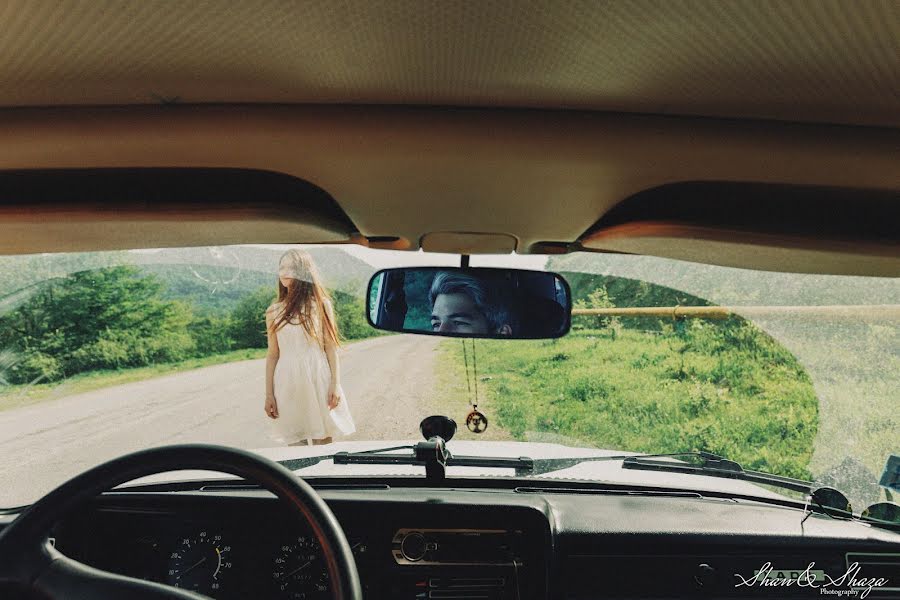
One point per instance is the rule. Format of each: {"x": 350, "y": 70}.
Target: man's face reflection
{"x": 457, "y": 313}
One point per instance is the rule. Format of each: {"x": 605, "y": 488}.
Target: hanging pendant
{"x": 476, "y": 422}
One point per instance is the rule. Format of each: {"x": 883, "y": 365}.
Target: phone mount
{"x": 437, "y": 431}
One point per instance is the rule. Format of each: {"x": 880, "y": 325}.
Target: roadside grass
{"x": 732, "y": 391}
{"x": 17, "y": 396}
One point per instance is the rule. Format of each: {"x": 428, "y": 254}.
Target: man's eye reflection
{"x": 450, "y": 325}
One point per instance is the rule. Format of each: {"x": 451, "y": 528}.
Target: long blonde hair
{"x": 304, "y": 295}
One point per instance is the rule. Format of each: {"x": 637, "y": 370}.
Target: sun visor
{"x": 111, "y": 209}
{"x": 799, "y": 229}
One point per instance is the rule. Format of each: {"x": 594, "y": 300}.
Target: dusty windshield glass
{"x": 109, "y": 352}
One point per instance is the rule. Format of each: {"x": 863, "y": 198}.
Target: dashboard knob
{"x": 413, "y": 547}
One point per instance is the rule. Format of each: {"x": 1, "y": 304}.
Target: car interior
{"x": 738, "y": 134}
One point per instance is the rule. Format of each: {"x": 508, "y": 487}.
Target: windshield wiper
{"x": 713, "y": 465}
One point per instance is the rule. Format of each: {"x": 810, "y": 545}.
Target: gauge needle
{"x": 300, "y": 568}
{"x": 219, "y": 565}
{"x": 194, "y": 566}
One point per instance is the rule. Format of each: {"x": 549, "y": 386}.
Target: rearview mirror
{"x": 470, "y": 302}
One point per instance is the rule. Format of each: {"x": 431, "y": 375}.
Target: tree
{"x": 211, "y": 333}
{"x": 248, "y": 319}
{"x": 105, "y": 318}
{"x": 599, "y": 298}
{"x": 350, "y": 313}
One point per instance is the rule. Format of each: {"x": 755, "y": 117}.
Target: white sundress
{"x": 302, "y": 378}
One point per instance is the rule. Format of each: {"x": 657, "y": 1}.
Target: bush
{"x": 172, "y": 346}
{"x": 599, "y": 298}
{"x": 583, "y": 389}
{"x": 121, "y": 349}
{"x": 351, "y": 317}
{"x": 109, "y": 352}
{"x": 247, "y": 327}
{"x": 211, "y": 335}
{"x": 34, "y": 367}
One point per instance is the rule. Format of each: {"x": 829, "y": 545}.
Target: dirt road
{"x": 386, "y": 380}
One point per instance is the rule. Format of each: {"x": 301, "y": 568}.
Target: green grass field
{"x": 17, "y": 396}
{"x": 728, "y": 390}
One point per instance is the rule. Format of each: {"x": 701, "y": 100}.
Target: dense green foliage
{"x": 101, "y": 319}
{"x": 604, "y": 291}
{"x": 351, "y": 317}
{"x": 248, "y": 320}
{"x": 120, "y": 317}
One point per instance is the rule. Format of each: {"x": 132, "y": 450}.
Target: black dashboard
{"x": 522, "y": 543}
{"x": 247, "y": 546}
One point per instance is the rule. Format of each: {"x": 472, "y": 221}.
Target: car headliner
{"x": 503, "y": 126}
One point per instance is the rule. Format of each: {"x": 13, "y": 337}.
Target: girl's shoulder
{"x": 275, "y": 308}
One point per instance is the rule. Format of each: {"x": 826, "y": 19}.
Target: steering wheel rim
{"x": 27, "y": 560}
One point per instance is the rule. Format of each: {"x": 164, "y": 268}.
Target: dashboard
{"x": 476, "y": 544}
{"x": 242, "y": 547}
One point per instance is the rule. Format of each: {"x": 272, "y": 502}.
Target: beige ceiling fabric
{"x": 829, "y": 60}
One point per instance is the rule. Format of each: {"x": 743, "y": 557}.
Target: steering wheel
{"x": 29, "y": 561}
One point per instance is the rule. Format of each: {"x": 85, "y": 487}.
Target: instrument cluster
{"x": 221, "y": 561}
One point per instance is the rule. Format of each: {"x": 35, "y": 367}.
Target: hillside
{"x": 218, "y": 278}
{"x": 726, "y": 286}
{"x": 213, "y": 278}
{"x": 339, "y": 270}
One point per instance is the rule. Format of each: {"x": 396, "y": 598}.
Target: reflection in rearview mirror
{"x": 470, "y": 302}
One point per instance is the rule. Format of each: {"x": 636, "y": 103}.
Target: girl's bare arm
{"x": 333, "y": 362}
{"x": 272, "y": 355}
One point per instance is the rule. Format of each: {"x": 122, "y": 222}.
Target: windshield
{"x": 109, "y": 352}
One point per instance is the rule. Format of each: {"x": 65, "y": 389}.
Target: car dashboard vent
{"x": 466, "y": 588}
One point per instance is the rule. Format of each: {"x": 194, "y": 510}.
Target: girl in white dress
{"x": 303, "y": 388}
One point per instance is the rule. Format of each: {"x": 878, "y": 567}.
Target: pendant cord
{"x": 475, "y": 374}
{"x": 466, "y": 361}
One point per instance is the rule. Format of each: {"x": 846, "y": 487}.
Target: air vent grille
{"x": 466, "y": 588}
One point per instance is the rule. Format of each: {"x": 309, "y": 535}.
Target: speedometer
{"x": 299, "y": 571}
{"x": 200, "y": 563}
